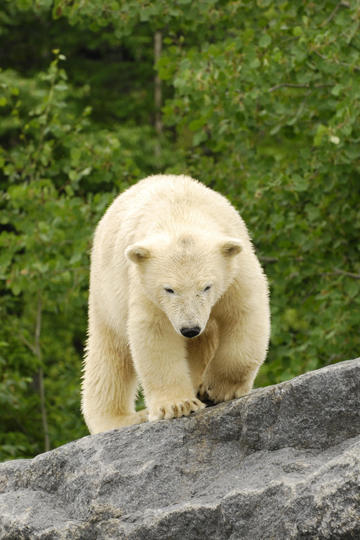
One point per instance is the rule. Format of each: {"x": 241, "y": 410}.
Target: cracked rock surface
{"x": 281, "y": 463}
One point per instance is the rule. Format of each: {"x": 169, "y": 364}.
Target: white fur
{"x": 171, "y": 232}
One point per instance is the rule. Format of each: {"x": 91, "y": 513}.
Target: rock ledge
{"x": 281, "y": 463}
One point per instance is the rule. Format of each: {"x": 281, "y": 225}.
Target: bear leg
{"x": 159, "y": 355}
{"x": 200, "y": 351}
{"x": 109, "y": 382}
{"x": 242, "y": 349}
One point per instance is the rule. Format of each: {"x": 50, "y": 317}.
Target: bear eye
{"x": 207, "y": 288}
{"x": 168, "y": 290}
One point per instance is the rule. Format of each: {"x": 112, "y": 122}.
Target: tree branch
{"x": 337, "y": 271}
{"x": 27, "y": 343}
{"x": 345, "y": 64}
{"x": 334, "y": 12}
{"x": 293, "y": 85}
{"x": 266, "y": 260}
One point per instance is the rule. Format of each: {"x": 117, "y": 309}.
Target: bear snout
{"x": 190, "y": 332}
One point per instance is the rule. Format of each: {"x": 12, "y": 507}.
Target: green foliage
{"x": 272, "y": 111}
{"x": 261, "y": 102}
{"x": 49, "y": 162}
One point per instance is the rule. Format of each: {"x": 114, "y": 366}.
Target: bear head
{"x": 185, "y": 275}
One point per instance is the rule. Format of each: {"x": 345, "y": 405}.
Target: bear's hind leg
{"x": 109, "y": 383}
{"x": 106, "y": 422}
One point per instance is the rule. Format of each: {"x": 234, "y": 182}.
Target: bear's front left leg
{"x": 242, "y": 350}
{"x": 159, "y": 356}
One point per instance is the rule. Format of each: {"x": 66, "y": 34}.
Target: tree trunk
{"x": 39, "y": 378}
{"x": 158, "y": 92}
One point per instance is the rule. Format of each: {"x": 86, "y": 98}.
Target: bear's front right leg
{"x": 109, "y": 380}
{"x": 159, "y": 356}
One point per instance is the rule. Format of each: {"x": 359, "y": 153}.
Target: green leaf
{"x": 298, "y": 31}
{"x": 264, "y": 41}
{"x": 300, "y": 183}
{"x": 199, "y": 137}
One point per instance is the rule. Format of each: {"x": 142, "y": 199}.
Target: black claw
{"x": 205, "y": 399}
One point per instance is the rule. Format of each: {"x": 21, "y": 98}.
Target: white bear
{"x": 178, "y": 302}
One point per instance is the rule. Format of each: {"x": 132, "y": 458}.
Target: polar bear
{"x": 178, "y": 302}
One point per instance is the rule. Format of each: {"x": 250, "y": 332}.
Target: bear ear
{"x": 231, "y": 247}
{"x": 137, "y": 253}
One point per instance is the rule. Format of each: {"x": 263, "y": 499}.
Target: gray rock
{"x": 281, "y": 463}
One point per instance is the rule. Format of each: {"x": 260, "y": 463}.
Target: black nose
{"x": 190, "y": 332}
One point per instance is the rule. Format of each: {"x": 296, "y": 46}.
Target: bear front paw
{"x": 174, "y": 408}
{"x": 222, "y": 392}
